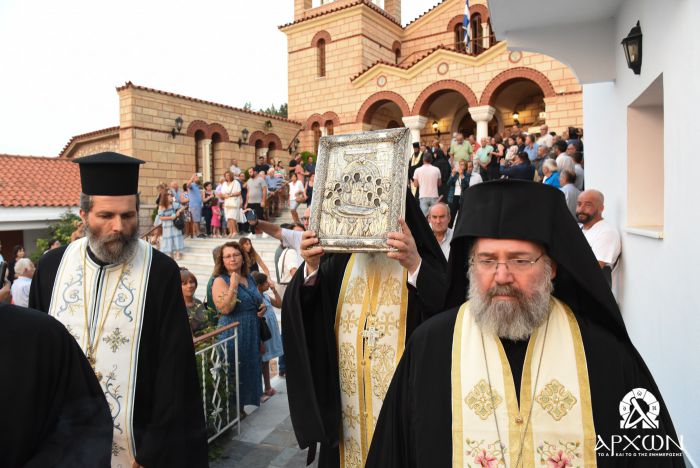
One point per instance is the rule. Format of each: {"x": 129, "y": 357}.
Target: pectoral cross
{"x": 371, "y": 335}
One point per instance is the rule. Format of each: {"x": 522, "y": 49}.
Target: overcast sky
{"x": 60, "y": 60}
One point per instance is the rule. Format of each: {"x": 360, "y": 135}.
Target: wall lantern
{"x": 516, "y": 116}
{"x": 293, "y": 146}
{"x": 436, "y": 128}
{"x": 178, "y": 126}
{"x": 244, "y": 137}
{"x": 632, "y": 45}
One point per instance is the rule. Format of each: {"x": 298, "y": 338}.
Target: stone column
{"x": 482, "y": 115}
{"x": 205, "y": 149}
{"x": 324, "y": 131}
{"x": 415, "y": 123}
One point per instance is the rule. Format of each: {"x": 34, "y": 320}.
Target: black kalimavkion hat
{"x": 109, "y": 173}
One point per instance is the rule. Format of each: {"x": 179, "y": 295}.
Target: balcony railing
{"x": 218, "y": 372}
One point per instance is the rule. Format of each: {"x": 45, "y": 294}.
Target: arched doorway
{"x": 216, "y": 140}
{"x": 198, "y": 153}
{"x": 381, "y": 109}
{"x": 316, "y": 130}
{"x": 445, "y": 103}
{"x": 519, "y": 101}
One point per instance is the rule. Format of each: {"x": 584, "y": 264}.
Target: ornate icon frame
{"x": 330, "y": 215}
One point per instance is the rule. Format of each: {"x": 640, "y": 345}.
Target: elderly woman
{"x": 231, "y": 194}
{"x": 197, "y": 312}
{"x": 551, "y": 174}
{"x": 237, "y": 299}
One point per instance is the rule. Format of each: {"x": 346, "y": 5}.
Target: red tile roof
{"x": 35, "y": 181}
{"x": 88, "y": 135}
{"x": 406, "y": 66}
{"x": 129, "y": 84}
{"x": 343, "y": 7}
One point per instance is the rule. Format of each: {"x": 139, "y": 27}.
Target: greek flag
{"x": 467, "y": 29}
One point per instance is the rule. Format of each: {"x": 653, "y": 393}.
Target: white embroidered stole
{"x": 118, "y": 345}
{"x": 554, "y": 429}
{"x": 370, "y": 328}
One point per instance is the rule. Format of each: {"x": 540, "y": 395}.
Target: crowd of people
{"x": 440, "y": 172}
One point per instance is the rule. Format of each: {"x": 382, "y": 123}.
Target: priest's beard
{"x": 513, "y": 320}
{"x": 113, "y": 248}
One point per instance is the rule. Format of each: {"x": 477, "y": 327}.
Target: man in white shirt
{"x": 235, "y": 170}
{"x": 288, "y": 263}
{"x": 564, "y": 161}
{"x": 601, "y": 235}
{"x": 546, "y": 138}
{"x": 427, "y": 178}
{"x": 439, "y": 219}
{"x": 571, "y": 193}
{"x": 24, "y": 271}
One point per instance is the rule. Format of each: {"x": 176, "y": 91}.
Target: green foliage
{"x": 305, "y": 156}
{"x": 61, "y": 230}
{"x": 272, "y": 110}
{"x": 247, "y": 106}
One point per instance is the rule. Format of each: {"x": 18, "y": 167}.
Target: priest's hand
{"x": 407, "y": 252}
{"x": 135, "y": 464}
{"x": 310, "y": 252}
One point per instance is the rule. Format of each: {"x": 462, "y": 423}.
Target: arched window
{"x": 215, "y": 153}
{"x": 397, "y": 55}
{"x": 321, "y": 57}
{"x": 477, "y": 33}
{"x": 460, "y": 46}
{"x": 329, "y": 127}
{"x": 316, "y": 128}
{"x": 198, "y": 154}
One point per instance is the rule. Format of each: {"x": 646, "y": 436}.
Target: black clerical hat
{"x": 416, "y": 144}
{"x": 109, "y": 173}
{"x": 519, "y": 209}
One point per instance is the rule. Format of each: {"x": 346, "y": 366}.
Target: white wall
{"x": 30, "y": 238}
{"x": 658, "y": 279}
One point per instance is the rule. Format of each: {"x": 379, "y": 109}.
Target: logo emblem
{"x": 639, "y": 406}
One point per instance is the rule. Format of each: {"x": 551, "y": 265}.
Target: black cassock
{"x": 169, "y": 427}
{"x": 308, "y": 317}
{"x": 414, "y": 427}
{"x": 53, "y": 410}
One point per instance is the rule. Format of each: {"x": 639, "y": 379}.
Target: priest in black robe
{"x": 421, "y": 413}
{"x": 133, "y": 328}
{"x": 53, "y": 410}
{"x": 312, "y": 357}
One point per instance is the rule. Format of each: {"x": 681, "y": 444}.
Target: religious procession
{"x": 412, "y": 262}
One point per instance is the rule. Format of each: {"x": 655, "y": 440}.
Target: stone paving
{"x": 267, "y": 438}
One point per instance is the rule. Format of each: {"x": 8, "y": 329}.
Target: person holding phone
{"x": 237, "y": 299}
{"x": 257, "y": 194}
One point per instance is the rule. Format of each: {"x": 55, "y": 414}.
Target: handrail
{"x": 212, "y": 334}
{"x": 145, "y": 236}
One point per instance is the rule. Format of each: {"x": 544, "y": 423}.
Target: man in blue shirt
{"x": 195, "y": 204}
{"x": 530, "y": 147}
{"x": 521, "y": 169}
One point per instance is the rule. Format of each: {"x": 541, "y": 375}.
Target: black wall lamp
{"x": 178, "y": 126}
{"x": 436, "y": 128}
{"x": 293, "y": 146}
{"x": 244, "y": 137}
{"x": 632, "y": 45}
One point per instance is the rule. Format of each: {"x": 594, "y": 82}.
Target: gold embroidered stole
{"x": 118, "y": 345}
{"x": 370, "y": 329}
{"x": 554, "y": 429}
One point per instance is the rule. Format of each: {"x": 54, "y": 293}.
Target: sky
{"x": 60, "y": 61}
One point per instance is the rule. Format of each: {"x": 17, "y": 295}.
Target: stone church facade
{"x": 354, "y": 67}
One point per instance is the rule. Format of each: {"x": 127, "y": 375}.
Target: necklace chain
{"x": 93, "y": 342}
{"x": 534, "y": 390}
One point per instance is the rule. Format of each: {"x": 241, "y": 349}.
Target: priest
{"x": 346, "y": 319}
{"x": 536, "y": 368}
{"x": 53, "y": 410}
{"x": 122, "y": 302}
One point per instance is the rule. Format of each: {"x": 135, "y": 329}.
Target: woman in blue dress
{"x": 273, "y": 346}
{"x": 237, "y": 299}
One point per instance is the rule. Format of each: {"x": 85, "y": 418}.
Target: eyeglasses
{"x": 513, "y": 265}
{"x": 232, "y": 256}
{"x": 304, "y": 218}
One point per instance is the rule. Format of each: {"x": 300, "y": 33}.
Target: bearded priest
{"x": 536, "y": 368}
{"x": 121, "y": 301}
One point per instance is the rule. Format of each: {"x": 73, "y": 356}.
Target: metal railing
{"x": 219, "y": 380}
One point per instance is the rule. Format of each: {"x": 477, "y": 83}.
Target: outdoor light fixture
{"x": 244, "y": 137}
{"x": 516, "y": 115}
{"x": 293, "y": 146}
{"x": 436, "y": 127}
{"x": 632, "y": 45}
{"x": 178, "y": 126}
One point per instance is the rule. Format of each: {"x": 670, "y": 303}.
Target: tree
{"x": 61, "y": 230}
{"x": 272, "y": 110}
{"x": 247, "y": 106}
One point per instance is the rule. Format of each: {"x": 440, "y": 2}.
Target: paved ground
{"x": 266, "y": 440}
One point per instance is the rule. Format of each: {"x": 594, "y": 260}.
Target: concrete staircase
{"x": 197, "y": 256}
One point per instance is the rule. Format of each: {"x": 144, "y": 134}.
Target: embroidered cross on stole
{"x": 370, "y": 329}
{"x": 553, "y": 425}
{"x": 115, "y": 360}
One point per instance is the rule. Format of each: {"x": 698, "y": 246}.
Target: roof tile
{"x": 38, "y": 181}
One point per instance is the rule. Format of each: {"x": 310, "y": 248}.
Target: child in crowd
{"x": 216, "y": 220}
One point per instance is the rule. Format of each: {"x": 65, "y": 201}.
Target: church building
{"x": 354, "y": 67}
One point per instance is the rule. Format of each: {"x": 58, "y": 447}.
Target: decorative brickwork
{"x": 320, "y": 35}
{"x": 425, "y": 98}
{"x": 515, "y": 73}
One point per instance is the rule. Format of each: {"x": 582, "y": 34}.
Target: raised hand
{"x": 407, "y": 252}
{"x": 310, "y": 252}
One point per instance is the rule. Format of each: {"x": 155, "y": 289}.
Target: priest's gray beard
{"x": 114, "y": 248}
{"x": 513, "y": 320}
